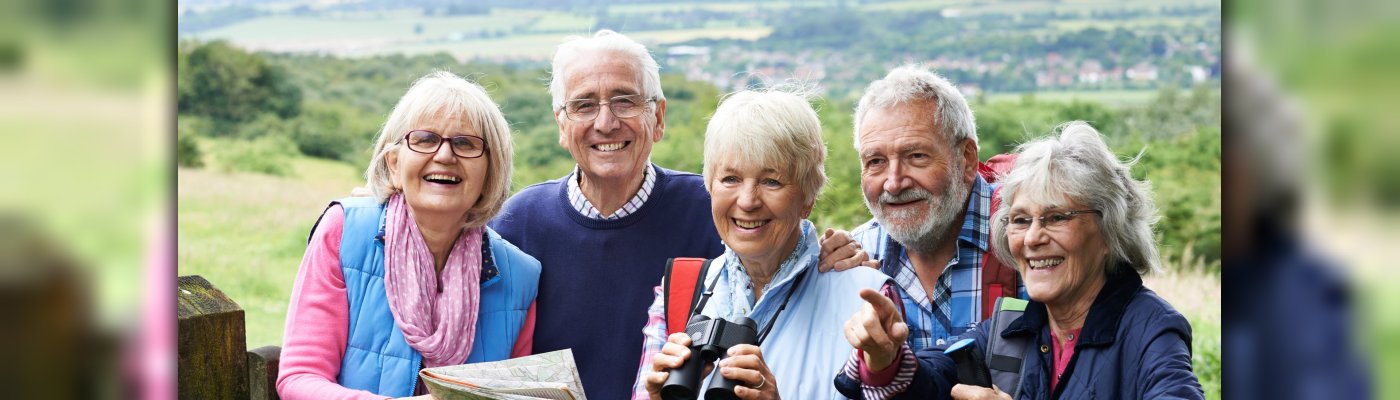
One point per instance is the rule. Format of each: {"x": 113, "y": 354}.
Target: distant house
{"x": 1142, "y": 72}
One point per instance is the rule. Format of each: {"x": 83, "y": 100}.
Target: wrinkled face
{"x": 608, "y": 147}
{"x": 439, "y": 185}
{"x": 758, "y": 210}
{"x": 1063, "y": 264}
{"x": 914, "y": 183}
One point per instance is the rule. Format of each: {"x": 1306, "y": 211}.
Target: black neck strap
{"x": 710, "y": 290}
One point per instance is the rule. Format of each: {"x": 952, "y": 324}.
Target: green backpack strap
{"x": 1006, "y": 356}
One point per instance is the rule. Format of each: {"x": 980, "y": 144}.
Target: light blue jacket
{"x": 807, "y": 346}
{"x": 377, "y": 357}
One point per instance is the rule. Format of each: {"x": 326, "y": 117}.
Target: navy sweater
{"x": 597, "y": 276}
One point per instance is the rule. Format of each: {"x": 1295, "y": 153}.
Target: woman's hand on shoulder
{"x": 841, "y": 252}
{"x": 745, "y": 364}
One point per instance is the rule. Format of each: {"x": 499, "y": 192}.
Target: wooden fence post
{"x": 213, "y": 360}
{"x": 262, "y": 372}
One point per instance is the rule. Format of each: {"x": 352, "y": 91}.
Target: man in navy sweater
{"x": 604, "y": 231}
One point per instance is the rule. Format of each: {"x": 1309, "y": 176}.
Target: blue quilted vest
{"x": 377, "y": 357}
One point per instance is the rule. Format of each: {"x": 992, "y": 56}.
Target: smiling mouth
{"x": 606, "y": 147}
{"x": 750, "y": 224}
{"x": 1044, "y": 264}
{"x": 442, "y": 178}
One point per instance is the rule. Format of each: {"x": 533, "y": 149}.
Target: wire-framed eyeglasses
{"x": 626, "y": 106}
{"x": 1055, "y": 221}
{"x": 428, "y": 142}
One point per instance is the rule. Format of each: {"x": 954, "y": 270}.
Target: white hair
{"x": 447, "y": 96}
{"x": 604, "y": 41}
{"x": 1077, "y": 165}
{"x": 913, "y": 83}
{"x": 771, "y": 127}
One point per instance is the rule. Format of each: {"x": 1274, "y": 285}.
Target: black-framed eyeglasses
{"x": 428, "y": 142}
{"x": 626, "y": 106}
{"x": 1019, "y": 223}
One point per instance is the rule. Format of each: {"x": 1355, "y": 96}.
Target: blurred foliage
{"x": 270, "y": 155}
{"x": 187, "y": 153}
{"x": 343, "y": 102}
{"x": 221, "y": 82}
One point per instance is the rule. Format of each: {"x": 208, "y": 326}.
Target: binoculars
{"x": 710, "y": 340}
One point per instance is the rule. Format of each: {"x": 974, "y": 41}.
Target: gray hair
{"x": 604, "y": 41}
{"x": 445, "y": 95}
{"x": 771, "y": 127}
{"x": 1078, "y": 165}
{"x": 915, "y": 82}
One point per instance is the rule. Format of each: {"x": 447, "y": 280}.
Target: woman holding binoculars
{"x": 769, "y": 322}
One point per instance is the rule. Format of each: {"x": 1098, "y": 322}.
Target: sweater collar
{"x": 1104, "y": 314}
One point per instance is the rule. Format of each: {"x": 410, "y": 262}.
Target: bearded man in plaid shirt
{"x": 917, "y": 143}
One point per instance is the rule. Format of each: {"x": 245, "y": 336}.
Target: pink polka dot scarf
{"x": 440, "y": 324}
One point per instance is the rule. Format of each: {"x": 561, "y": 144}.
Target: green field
{"x": 1114, "y": 98}
{"x": 246, "y": 233}
{"x": 974, "y": 7}
{"x": 541, "y": 46}
{"x": 504, "y": 33}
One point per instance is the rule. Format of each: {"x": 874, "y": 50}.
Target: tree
{"x": 230, "y": 85}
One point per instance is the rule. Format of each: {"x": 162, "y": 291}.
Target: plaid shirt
{"x": 653, "y": 339}
{"x": 581, "y": 204}
{"x": 956, "y": 303}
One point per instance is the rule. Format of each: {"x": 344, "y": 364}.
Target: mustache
{"x": 908, "y": 195}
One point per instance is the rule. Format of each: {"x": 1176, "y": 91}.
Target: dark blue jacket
{"x": 1133, "y": 346}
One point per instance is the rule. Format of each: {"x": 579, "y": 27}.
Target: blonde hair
{"x": 773, "y": 127}
{"x": 445, "y": 95}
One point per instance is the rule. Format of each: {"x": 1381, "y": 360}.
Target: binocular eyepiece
{"x": 710, "y": 340}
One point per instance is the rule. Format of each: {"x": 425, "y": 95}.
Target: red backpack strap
{"x": 996, "y": 167}
{"x": 679, "y": 294}
{"x": 998, "y": 280}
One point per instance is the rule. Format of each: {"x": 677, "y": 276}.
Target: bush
{"x": 333, "y": 131}
{"x": 188, "y": 129}
{"x": 265, "y": 155}
{"x": 187, "y": 151}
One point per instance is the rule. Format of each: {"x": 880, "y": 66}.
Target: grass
{"x": 246, "y": 233}
{"x": 528, "y": 34}
{"x": 541, "y": 46}
{"x": 717, "y": 7}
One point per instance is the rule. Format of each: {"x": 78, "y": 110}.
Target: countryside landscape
{"x": 279, "y": 100}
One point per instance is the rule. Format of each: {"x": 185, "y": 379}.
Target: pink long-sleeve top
{"x": 318, "y": 322}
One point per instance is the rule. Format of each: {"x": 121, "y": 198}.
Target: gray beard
{"x": 927, "y": 235}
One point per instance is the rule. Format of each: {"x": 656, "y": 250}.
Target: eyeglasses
{"x": 584, "y": 110}
{"x": 1020, "y": 223}
{"x": 428, "y": 142}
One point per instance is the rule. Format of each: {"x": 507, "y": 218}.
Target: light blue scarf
{"x": 734, "y": 296}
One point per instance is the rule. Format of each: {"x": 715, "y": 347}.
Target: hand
{"x": 841, "y": 252}
{"x": 745, "y": 364}
{"x": 878, "y": 330}
{"x": 972, "y": 392}
{"x": 673, "y": 355}
{"x": 361, "y": 192}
